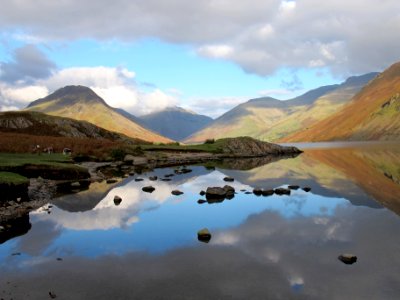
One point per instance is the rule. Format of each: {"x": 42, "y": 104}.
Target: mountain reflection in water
{"x": 262, "y": 247}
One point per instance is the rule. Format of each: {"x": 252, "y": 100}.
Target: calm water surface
{"x": 277, "y": 247}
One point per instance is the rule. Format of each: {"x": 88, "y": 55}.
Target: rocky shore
{"x": 41, "y": 191}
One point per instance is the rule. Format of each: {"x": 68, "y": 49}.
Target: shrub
{"x": 118, "y": 154}
{"x": 209, "y": 141}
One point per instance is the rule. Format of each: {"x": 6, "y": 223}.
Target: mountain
{"x": 175, "y": 122}
{"x": 81, "y": 103}
{"x": 270, "y": 119}
{"x": 372, "y": 114}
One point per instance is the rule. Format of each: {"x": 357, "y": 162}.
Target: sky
{"x": 207, "y": 56}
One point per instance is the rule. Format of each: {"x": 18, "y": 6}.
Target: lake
{"x": 84, "y": 246}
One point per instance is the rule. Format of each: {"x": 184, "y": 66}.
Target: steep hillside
{"x": 372, "y": 114}
{"x": 81, "y": 103}
{"x": 175, "y": 122}
{"x": 40, "y": 124}
{"x": 270, "y": 119}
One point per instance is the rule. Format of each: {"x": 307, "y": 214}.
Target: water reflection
{"x": 261, "y": 247}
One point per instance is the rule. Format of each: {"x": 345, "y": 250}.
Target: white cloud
{"x": 115, "y": 85}
{"x": 216, "y": 51}
{"x": 22, "y": 95}
{"x": 259, "y": 35}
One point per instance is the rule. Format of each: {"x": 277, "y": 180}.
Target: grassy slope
{"x": 305, "y": 117}
{"x": 366, "y": 117}
{"x": 247, "y": 119}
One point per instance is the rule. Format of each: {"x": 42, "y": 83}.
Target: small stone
{"x": 117, "y": 200}
{"x": 293, "y": 187}
{"x": 248, "y": 193}
{"x": 75, "y": 185}
{"x": 348, "y": 259}
{"x": 229, "y": 179}
{"x": 184, "y": 171}
{"x": 204, "y": 235}
{"x": 52, "y": 295}
{"x": 282, "y": 191}
{"x": 165, "y": 179}
{"x": 139, "y": 179}
{"x": 131, "y": 173}
{"x": 306, "y": 189}
{"x": 176, "y": 192}
{"x": 153, "y": 178}
{"x": 59, "y": 259}
{"x": 148, "y": 189}
{"x": 111, "y": 180}
{"x": 201, "y": 201}
{"x": 202, "y": 193}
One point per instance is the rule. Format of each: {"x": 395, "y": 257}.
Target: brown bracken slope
{"x": 372, "y": 114}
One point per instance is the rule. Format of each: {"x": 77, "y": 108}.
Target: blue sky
{"x": 207, "y": 56}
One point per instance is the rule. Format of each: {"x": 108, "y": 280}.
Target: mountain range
{"x": 365, "y": 107}
{"x": 270, "y": 119}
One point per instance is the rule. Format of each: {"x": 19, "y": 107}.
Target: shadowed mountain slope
{"x": 175, "y": 122}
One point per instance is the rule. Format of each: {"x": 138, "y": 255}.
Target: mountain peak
{"x": 71, "y": 94}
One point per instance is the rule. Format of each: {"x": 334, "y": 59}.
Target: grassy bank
{"x": 51, "y": 166}
{"x": 210, "y": 147}
{"x": 9, "y": 178}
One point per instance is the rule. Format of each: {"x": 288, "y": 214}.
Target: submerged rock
{"x": 282, "y": 191}
{"x": 153, "y": 178}
{"x": 257, "y": 191}
{"x": 201, "y": 201}
{"x": 267, "y": 192}
{"x": 215, "y": 193}
{"x": 306, "y": 189}
{"x": 204, "y": 235}
{"x": 229, "y": 179}
{"x": 148, "y": 189}
{"x": 165, "y": 179}
{"x": 117, "y": 200}
{"x": 293, "y": 187}
{"x": 348, "y": 259}
{"x": 139, "y": 179}
{"x": 176, "y": 192}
